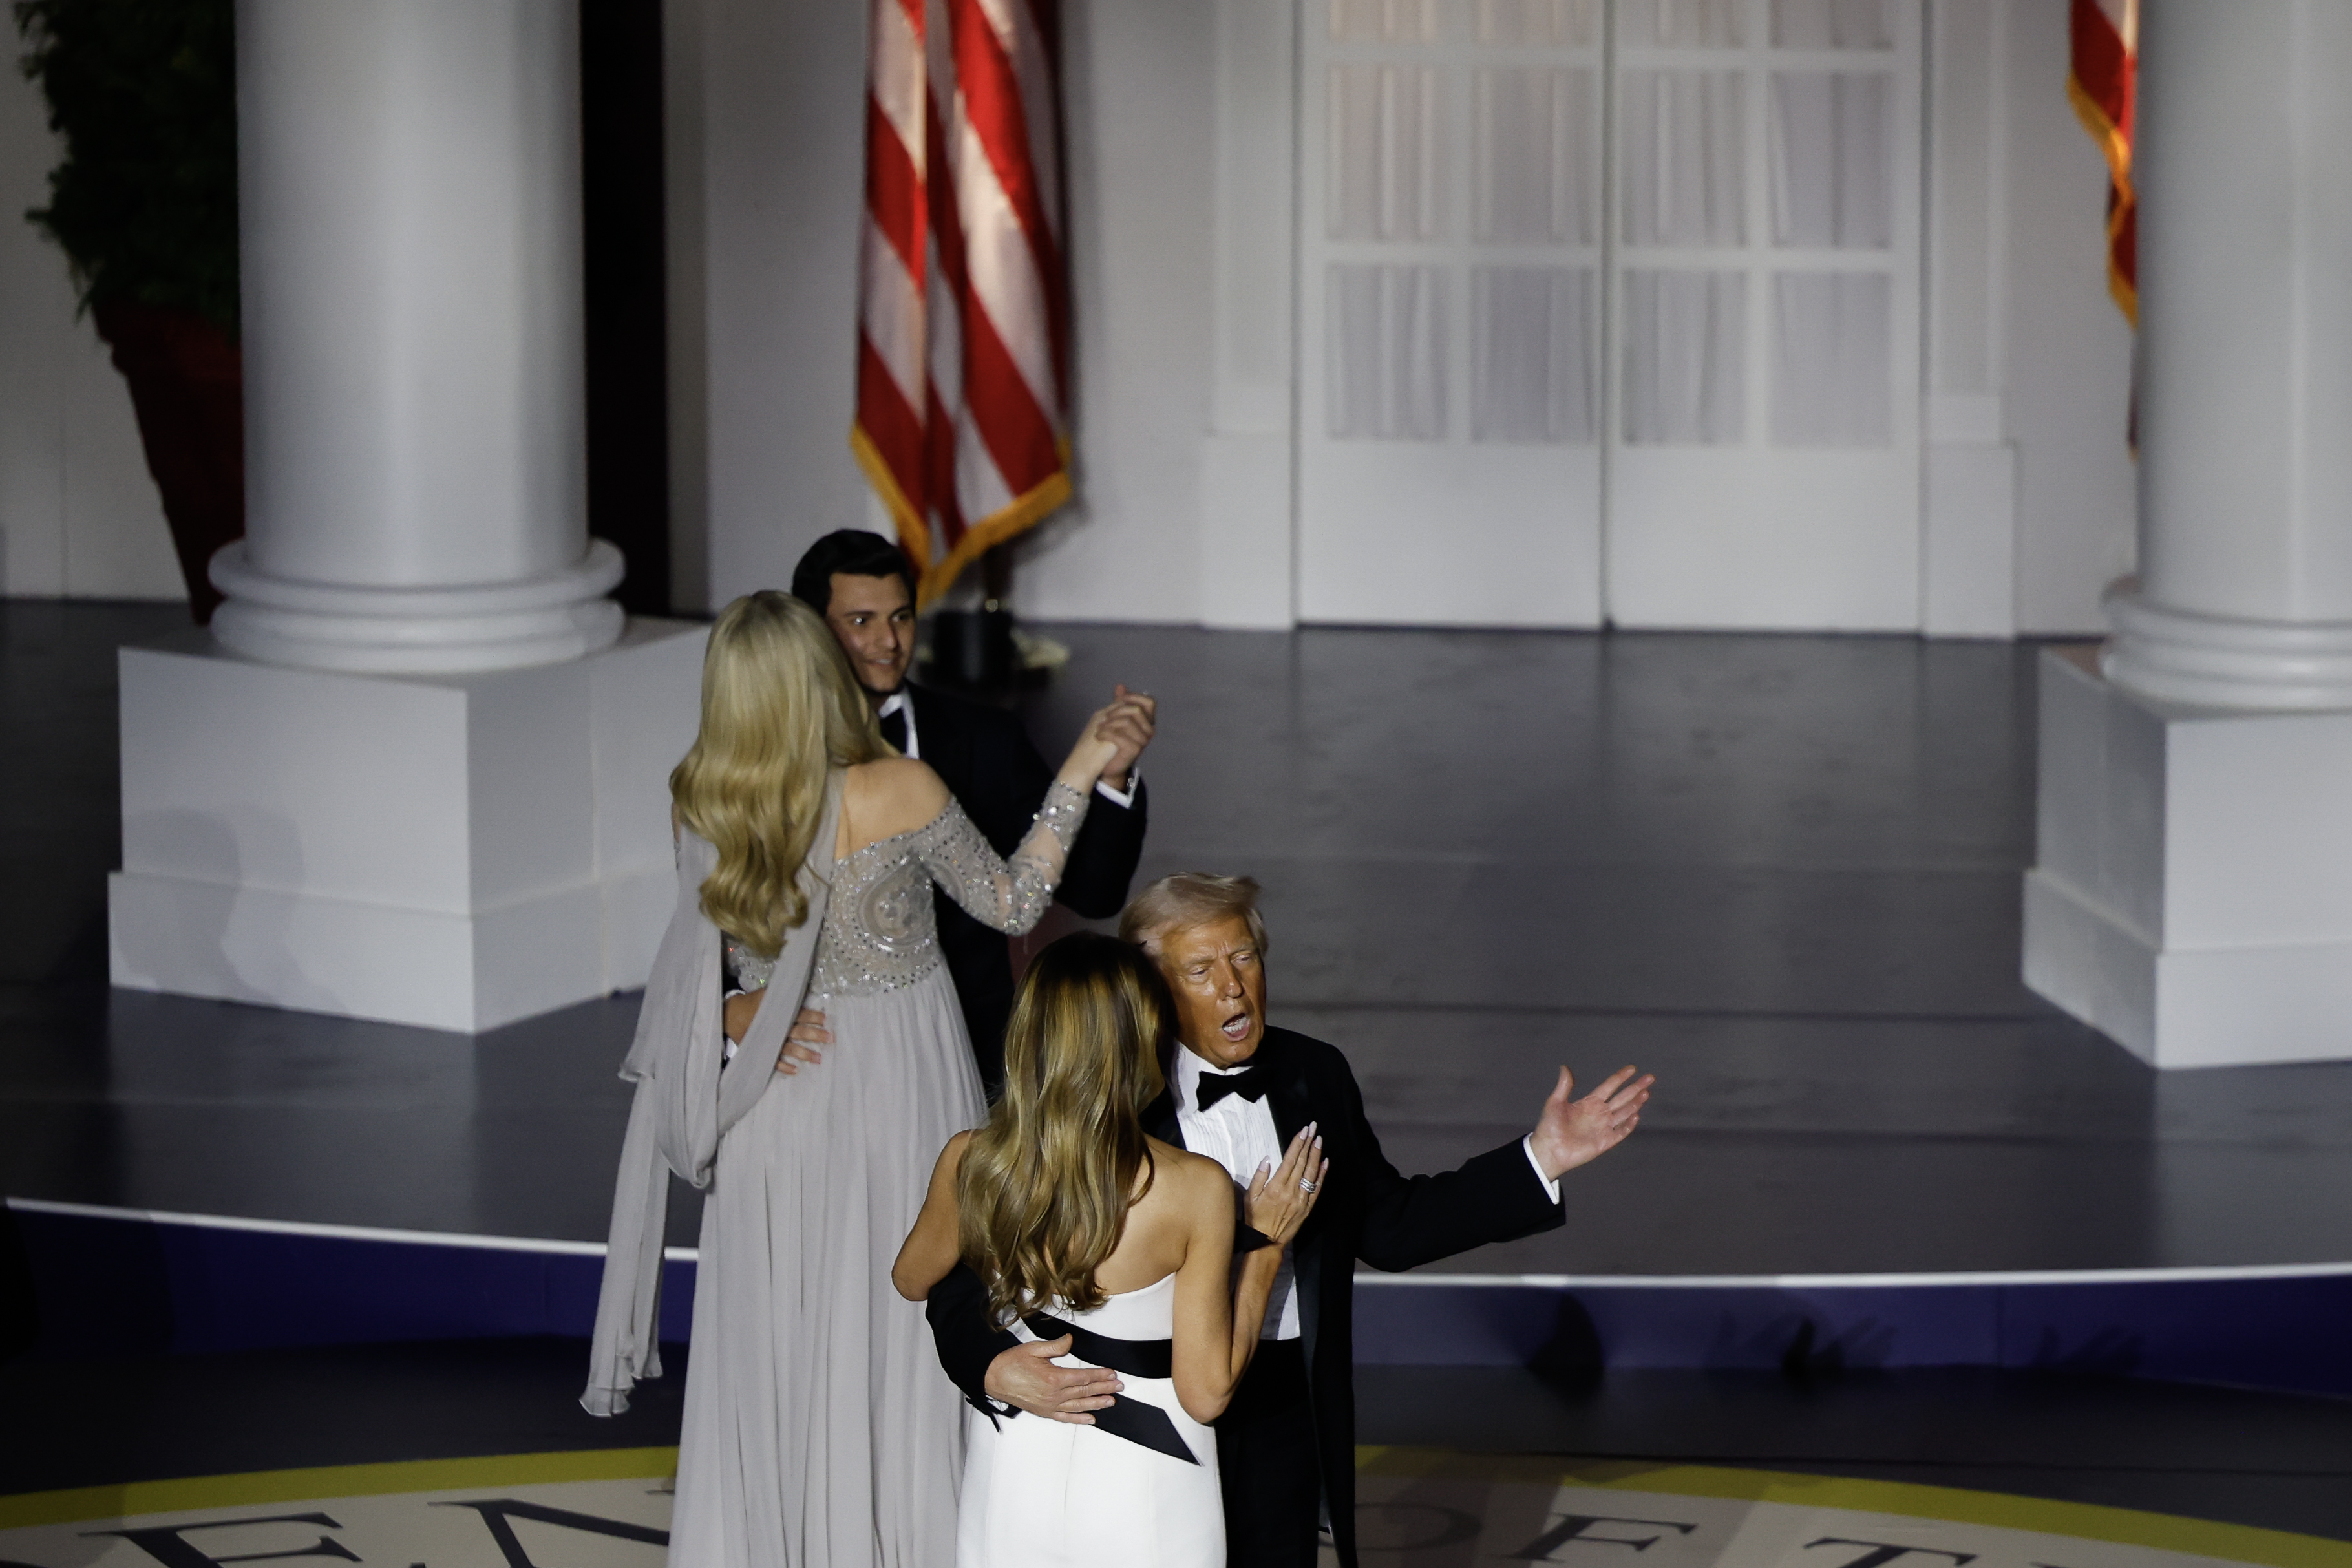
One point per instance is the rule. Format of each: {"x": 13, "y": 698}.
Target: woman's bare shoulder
{"x": 1191, "y": 1178}
{"x": 891, "y": 795}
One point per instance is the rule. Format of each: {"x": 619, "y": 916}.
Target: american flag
{"x": 963, "y": 311}
{"x": 2103, "y": 83}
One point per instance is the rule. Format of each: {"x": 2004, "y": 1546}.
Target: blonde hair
{"x": 1190, "y": 898}
{"x": 1043, "y": 1193}
{"x": 779, "y": 710}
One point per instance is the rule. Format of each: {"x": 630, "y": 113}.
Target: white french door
{"x": 1610, "y": 310}
{"x": 1450, "y": 312}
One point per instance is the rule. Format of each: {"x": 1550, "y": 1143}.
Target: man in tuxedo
{"x": 1236, "y": 1091}
{"x": 859, "y": 583}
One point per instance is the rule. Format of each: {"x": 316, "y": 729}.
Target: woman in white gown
{"x": 818, "y": 1431}
{"x": 1082, "y": 1226}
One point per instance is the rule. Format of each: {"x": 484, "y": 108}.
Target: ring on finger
{"x": 1305, "y": 1185}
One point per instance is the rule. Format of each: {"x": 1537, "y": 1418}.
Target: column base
{"x": 2219, "y": 661}
{"x": 417, "y": 631}
{"x": 2193, "y": 898}
{"x": 457, "y": 852}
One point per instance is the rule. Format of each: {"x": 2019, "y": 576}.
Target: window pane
{"x": 1531, "y": 354}
{"x": 1686, "y": 352}
{"x": 1384, "y": 337}
{"x": 1831, "y": 338}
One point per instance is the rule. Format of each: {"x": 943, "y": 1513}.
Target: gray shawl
{"x": 689, "y": 1094}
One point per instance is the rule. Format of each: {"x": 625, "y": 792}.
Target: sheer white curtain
{"x": 1830, "y": 349}
{"x": 1531, "y": 355}
{"x": 1685, "y": 23}
{"x": 1830, "y": 187}
{"x": 1684, "y": 181}
{"x": 1385, "y": 351}
{"x": 1685, "y": 157}
{"x": 1686, "y": 356}
{"x": 1829, "y": 24}
{"x": 1384, "y": 21}
{"x": 1536, "y": 176}
{"x": 1832, "y": 190}
{"x": 1543, "y": 24}
{"x": 1383, "y": 158}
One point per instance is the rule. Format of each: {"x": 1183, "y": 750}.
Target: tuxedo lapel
{"x": 1160, "y": 1120}
{"x": 1160, "y": 1116}
{"x": 1293, "y": 1109}
{"x": 1286, "y": 1094}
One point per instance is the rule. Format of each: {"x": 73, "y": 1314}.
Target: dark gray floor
{"x": 1781, "y": 872}
{"x": 2272, "y": 1460}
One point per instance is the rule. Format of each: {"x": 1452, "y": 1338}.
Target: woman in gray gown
{"x": 819, "y": 1431}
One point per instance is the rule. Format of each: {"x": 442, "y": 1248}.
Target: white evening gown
{"x": 1048, "y": 1494}
{"x": 819, "y": 1431}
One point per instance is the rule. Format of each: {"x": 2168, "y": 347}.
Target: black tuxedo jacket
{"x": 1368, "y": 1211}
{"x": 989, "y": 763}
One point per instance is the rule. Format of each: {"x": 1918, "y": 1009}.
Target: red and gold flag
{"x": 2103, "y": 83}
{"x": 963, "y": 310}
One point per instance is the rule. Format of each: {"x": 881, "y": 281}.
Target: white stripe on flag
{"x": 892, "y": 315}
{"x": 979, "y": 485}
{"x": 897, "y": 76}
{"x": 946, "y": 346}
{"x": 1003, "y": 269}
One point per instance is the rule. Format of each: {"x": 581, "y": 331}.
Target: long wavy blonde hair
{"x": 779, "y": 709}
{"x": 1044, "y": 1189}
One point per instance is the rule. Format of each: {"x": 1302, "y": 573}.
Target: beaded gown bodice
{"x": 881, "y": 932}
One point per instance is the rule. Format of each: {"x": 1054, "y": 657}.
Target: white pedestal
{"x": 456, "y": 851}
{"x": 2193, "y": 898}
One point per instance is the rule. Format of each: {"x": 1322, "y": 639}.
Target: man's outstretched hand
{"x": 1026, "y": 1378}
{"x": 1572, "y": 1132}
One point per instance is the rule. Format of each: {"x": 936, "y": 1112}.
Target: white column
{"x": 2193, "y": 894}
{"x": 2244, "y": 597}
{"x": 417, "y": 773}
{"x": 416, "y": 475}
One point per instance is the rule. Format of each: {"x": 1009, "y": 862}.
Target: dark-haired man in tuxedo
{"x": 1236, "y": 1091}
{"x": 859, "y": 581}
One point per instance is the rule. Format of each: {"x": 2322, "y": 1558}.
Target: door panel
{"x": 1764, "y": 464}
{"x": 1450, "y": 312}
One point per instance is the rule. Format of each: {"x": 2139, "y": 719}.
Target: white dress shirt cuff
{"x": 1550, "y": 1183}
{"x": 1124, "y": 799}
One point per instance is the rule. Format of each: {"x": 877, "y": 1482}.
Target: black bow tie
{"x": 894, "y": 729}
{"x": 1250, "y": 1083}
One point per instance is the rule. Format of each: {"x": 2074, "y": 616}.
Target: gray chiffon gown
{"x": 819, "y": 1430}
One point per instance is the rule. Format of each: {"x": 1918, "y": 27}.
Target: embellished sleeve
{"x": 743, "y": 969}
{"x": 1010, "y": 895}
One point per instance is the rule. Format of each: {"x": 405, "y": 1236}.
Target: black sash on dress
{"x": 1132, "y": 1419}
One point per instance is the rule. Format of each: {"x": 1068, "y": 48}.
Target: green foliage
{"x": 144, "y": 94}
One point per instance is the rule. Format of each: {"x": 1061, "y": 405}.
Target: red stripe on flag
{"x": 890, "y": 424}
{"x": 939, "y": 470}
{"x": 1015, "y": 429}
{"x": 894, "y": 191}
{"x": 2102, "y": 65}
{"x": 992, "y": 96}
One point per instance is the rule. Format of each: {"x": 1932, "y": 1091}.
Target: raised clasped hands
{"x": 1114, "y": 737}
{"x": 1282, "y": 1197}
{"x": 1573, "y": 1132}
